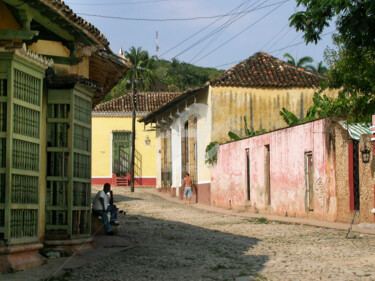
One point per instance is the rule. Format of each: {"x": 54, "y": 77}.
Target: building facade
{"x": 257, "y": 88}
{"x": 313, "y": 170}
{"x": 111, "y": 141}
{"x": 54, "y": 67}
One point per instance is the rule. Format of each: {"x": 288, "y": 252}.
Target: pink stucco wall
{"x": 287, "y": 172}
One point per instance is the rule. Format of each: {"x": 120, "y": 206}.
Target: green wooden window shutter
{"x": 68, "y": 203}
{"x": 3, "y": 119}
{"x": 121, "y": 144}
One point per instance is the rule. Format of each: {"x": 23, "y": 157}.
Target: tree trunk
{"x": 132, "y": 162}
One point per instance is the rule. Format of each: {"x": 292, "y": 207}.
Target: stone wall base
{"x": 20, "y": 257}
{"x": 65, "y": 248}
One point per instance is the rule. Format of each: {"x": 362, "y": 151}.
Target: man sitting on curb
{"x": 102, "y": 205}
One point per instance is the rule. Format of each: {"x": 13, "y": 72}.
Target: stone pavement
{"x": 361, "y": 228}
{"x": 167, "y": 240}
{"x": 104, "y": 246}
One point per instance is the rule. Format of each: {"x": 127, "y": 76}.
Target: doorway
{"x": 248, "y": 173}
{"x": 267, "y": 174}
{"x": 309, "y": 175}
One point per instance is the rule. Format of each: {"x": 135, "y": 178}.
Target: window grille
{"x": 121, "y": 146}
{"x": 356, "y": 174}
{"x": 68, "y": 203}
{"x": 20, "y": 162}
{"x": 26, "y": 87}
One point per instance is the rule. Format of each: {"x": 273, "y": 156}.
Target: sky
{"x": 221, "y": 33}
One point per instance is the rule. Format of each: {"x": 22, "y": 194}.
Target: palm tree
{"x": 300, "y": 63}
{"x": 140, "y": 75}
{"x": 320, "y": 68}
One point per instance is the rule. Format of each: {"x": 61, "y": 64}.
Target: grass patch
{"x": 259, "y": 220}
{"x": 259, "y": 277}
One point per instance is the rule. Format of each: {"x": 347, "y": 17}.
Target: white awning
{"x": 355, "y": 130}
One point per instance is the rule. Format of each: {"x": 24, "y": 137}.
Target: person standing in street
{"x": 102, "y": 205}
{"x": 188, "y": 185}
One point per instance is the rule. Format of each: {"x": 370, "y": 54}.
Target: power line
{"x": 292, "y": 45}
{"x": 290, "y": 29}
{"x": 118, "y": 3}
{"x": 220, "y": 32}
{"x": 237, "y": 61}
{"x": 274, "y": 37}
{"x": 177, "y": 19}
{"x": 221, "y": 27}
{"x": 199, "y": 31}
{"x": 242, "y": 31}
{"x": 212, "y": 33}
{"x": 286, "y": 47}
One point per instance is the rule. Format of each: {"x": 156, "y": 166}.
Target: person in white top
{"x": 103, "y": 204}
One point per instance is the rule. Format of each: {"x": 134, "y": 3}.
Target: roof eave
{"x": 150, "y": 118}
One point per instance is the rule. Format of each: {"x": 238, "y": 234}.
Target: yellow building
{"x": 54, "y": 68}
{"x": 257, "y": 88}
{"x": 111, "y": 140}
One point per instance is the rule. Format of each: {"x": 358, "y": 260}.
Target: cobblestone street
{"x": 170, "y": 241}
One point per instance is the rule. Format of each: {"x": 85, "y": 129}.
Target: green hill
{"x": 172, "y": 76}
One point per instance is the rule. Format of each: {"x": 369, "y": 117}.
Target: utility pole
{"x": 157, "y": 44}
{"x": 134, "y": 101}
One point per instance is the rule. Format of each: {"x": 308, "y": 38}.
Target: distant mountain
{"x": 172, "y": 76}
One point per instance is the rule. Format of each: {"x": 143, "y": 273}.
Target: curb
{"x": 290, "y": 220}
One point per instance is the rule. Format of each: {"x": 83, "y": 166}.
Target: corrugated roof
{"x": 146, "y": 102}
{"x": 357, "y": 129}
{"x": 264, "y": 70}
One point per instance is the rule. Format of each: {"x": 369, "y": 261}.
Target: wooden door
{"x": 267, "y": 174}
{"x": 309, "y": 175}
{"x": 248, "y": 173}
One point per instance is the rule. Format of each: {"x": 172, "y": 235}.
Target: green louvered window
{"x": 121, "y": 145}
{"x": 20, "y": 151}
{"x": 68, "y": 204}
{"x": 3, "y": 135}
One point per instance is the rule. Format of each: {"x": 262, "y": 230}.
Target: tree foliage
{"x": 323, "y": 106}
{"x": 299, "y": 63}
{"x": 352, "y": 65}
{"x": 178, "y": 76}
{"x": 248, "y": 132}
{"x": 170, "y": 76}
{"x": 319, "y": 68}
{"x": 211, "y": 153}
{"x": 142, "y": 68}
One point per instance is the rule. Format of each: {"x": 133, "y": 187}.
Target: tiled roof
{"x": 68, "y": 81}
{"x": 264, "y": 70}
{"x": 61, "y": 7}
{"x": 146, "y": 102}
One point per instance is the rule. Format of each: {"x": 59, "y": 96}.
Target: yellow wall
{"x": 7, "y": 19}
{"x": 102, "y": 128}
{"x": 44, "y": 47}
{"x": 204, "y": 136}
{"x": 260, "y": 106}
{"x": 52, "y": 48}
{"x": 201, "y": 110}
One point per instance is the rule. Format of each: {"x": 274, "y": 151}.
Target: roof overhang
{"x": 151, "y": 118}
{"x": 58, "y": 19}
{"x": 106, "y": 70}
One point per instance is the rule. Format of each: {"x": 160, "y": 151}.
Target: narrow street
{"x": 170, "y": 241}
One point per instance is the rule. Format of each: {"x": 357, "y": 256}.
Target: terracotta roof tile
{"x": 60, "y": 6}
{"x": 264, "y": 70}
{"x": 146, "y": 102}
